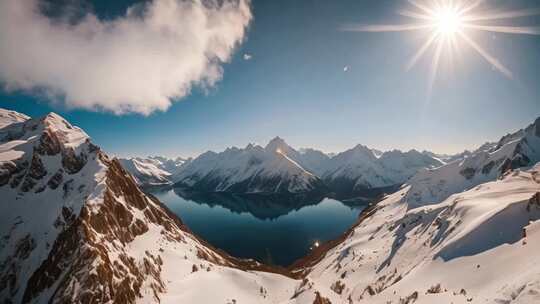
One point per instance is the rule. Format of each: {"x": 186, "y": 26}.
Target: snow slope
{"x": 477, "y": 246}
{"x": 75, "y": 227}
{"x": 154, "y": 170}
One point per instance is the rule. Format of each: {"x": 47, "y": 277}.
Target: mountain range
{"x": 357, "y": 172}
{"x": 279, "y": 168}
{"x": 75, "y": 227}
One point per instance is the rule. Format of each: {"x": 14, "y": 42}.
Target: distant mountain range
{"x": 279, "y": 168}
{"x": 357, "y": 172}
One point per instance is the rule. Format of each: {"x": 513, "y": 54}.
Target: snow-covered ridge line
{"x": 354, "y": 172}
{"x": 515, "y": 150}
{"x": 359, "y": 171}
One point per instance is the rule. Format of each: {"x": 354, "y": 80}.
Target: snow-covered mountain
{"x": 448, "y": 158}
{"x": 153, "y": 170}
{"x": 519, "y": 149}
{"x": 360, "y": 170}
{"x": 256, "y": 169}
{"x": 253, "y": 169}
{"x": 76, "y": 228}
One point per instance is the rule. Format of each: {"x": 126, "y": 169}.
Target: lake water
{"x": 273, "y": 230}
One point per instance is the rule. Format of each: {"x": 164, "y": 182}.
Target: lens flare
{"x": 450, "y": 23}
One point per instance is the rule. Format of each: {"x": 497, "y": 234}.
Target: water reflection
{"x": 263, "y": 207}
{"x": 274, "y": 229}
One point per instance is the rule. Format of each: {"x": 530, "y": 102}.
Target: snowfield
{"x": 75, "y": 227}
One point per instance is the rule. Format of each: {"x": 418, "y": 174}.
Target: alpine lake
{"x": 273, "y": 229}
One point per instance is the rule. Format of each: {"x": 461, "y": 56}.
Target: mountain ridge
{"x": 359, "y": 169}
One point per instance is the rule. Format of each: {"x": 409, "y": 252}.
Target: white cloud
{"x": 247, "y": 56}
{"x": 139, "y": 62}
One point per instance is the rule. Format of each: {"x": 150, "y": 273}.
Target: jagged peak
{"x": 277, "y": 143}
{"x": 8, "y": 117}
{"x": 276, "y": 140}
{"x": 67, "y": 134}
{"x": 361, "y": 149}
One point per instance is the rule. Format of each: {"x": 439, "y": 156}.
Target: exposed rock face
{"x": 88, "y": 239}
{"x": 87, "y": 230}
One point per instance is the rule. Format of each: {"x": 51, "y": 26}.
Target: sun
{"x": 449, "y": 23}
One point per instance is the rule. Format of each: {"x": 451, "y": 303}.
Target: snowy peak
{"x": 513, "y": 151}
{"x": 8, "y": 117}
{"x": 278, "y": 145}
{"x": 274, "y": 169}
{"x": 359, "y": 152}
{"x": 359, "y": 171}
{"x": 154, "y": 170}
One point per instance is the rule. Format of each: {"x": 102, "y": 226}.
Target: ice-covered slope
{"x": 478, "y": 246}
{"x": 154, "y": 170}
{"x": 254, "y": 169}
{"x": 76, "y": 228}
{"x": 519, "y": 149}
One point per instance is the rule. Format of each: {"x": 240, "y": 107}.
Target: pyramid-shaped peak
{"x": 277, "y": 143}
{"x": 363, "y": 149}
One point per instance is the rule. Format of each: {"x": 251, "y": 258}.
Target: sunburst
{"x": 450, "y": 22}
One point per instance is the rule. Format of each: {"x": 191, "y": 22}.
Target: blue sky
{"x": 295, "y": 86}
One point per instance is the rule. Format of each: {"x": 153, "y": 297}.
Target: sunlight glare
{"x": 448, "y": 21}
